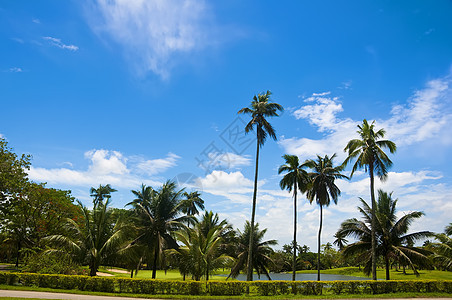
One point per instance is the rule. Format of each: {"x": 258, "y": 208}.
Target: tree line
{"x": 162, "y": 226}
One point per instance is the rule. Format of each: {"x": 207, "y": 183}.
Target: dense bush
{"x": 53, "y": 263}
{"x": 226, "y": 288}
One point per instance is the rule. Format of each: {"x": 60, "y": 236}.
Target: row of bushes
{"x": 262, "y": 288}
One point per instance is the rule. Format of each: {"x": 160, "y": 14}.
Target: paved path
{"x": 47, "y": 295}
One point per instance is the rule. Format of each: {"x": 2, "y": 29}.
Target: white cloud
{"x": 227, "y": 160}
{"x": 105, "y": 166}
{"x": 36, "y": 21}
{"x": 426, "y": 115}
{"x": 57, "y": 43}
{"x": 152, "y": 32}
{"x": 155, "y": 166}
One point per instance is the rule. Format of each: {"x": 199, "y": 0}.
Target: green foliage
{"x": 53, "y": 263}
{"x": 224, "y": 288}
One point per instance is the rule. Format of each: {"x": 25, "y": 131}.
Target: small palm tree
{"x": 369, "y": 154}
{"x": 394, "y": 243}
{"x": 295, "y": 179}
{"x": 323, "y": 189}
{"x": 192, "y": 202}
{"x": 261, "y": 251}
{"x": 259, "y": 110}
{"x": 201, "y": 252}
{"x": 98, "y": 238}
{"x": 340, "y": 241}
{"x": 159, "y": 215}
{"x": 443, "y": 249}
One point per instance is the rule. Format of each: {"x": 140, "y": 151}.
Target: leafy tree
{"x": 369, "y": 154}
{"x": 159, "y": 214}
{"x": 295, "y": 179}
{"x": 13, "y": 176}
{"x": 259, "y": 109}
{"x": 323, "y": 189}
{"x": 35, "y": 213}
{"x": 261, "y": 251}
{"x": 98, "y": 237}
{"x": 394, "y": 243}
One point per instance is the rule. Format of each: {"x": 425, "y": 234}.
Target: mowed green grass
{"x": 394, "y": 275}
{"x": 352, "y": 271}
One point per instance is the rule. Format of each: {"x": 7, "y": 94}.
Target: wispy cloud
{"x": 15, "y": 70}
{"x": 36, "y": 21}
{"x": 58, "y": 43}
{"x": 152, "y": 32}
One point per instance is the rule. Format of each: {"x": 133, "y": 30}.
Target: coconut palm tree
{"x": 295, "y": 179}
{"x": 261, "y": 251}
{"x": 443, "y": 249}
{"x": 159, "y": 216}
{"x": 259, "y": 109}
{"x": 98, "y": 238}
{"x": 192, "y": 202}
{"x": 394, "y": 243}
{"x": 323, "y": 189}
{"x": 201, "y": 252}
{"x": 101, "y": 193}
{"x": 340, "y": 241}
{"x": 369, "y": 154}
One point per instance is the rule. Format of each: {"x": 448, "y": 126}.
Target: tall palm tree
{"x": 369, "y": 154}
{"x": 101, "y": 193}
{"x": 192, "y": 202}
{"x": 323, "y": 189}
{"x": 261, "y": 251}
{"x": 159, "y": 216}
{"x": 98, "y": 238}
{"x": 295, "y": 179}
{"x": 394, "y": 243}
{"x": 259, "y": 109}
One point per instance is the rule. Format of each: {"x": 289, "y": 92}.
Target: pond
{"x": 303, "y": 277}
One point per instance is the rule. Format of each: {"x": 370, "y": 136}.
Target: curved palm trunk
{"x": 372, "y": 232}
{"x": 294, "y": 259}
{"x": 318, "y": 243}
{"x": 249, "y": 275}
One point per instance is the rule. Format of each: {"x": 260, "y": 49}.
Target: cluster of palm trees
{"x": 367, "y": 152}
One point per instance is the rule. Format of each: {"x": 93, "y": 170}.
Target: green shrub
{"x": 52, "y": 263}
{"x": 223, "y": 288}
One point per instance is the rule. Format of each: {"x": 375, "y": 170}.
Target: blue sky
{"x": 131, "y": 92}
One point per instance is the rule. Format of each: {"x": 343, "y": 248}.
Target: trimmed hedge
{"x": 223, "y": 288}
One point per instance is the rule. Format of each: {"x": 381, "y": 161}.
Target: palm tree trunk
{"x": 154, "y": 267}
{"x": 318, "y": 243}
{"x": 294, "y": 260}
{"x": 249, "y": 275}
{"x": 387, "y": 267}
{"x": 372, "y": 231}
{"x": 18, "y": 253}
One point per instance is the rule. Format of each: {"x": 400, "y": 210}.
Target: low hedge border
{"x": 223, "y": 288}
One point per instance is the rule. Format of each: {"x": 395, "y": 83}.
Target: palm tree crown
{"x": 259, "y": 110}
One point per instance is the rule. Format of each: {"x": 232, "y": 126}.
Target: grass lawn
{"x": 169, "y": 275}
{"x": 394, "y": 275}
